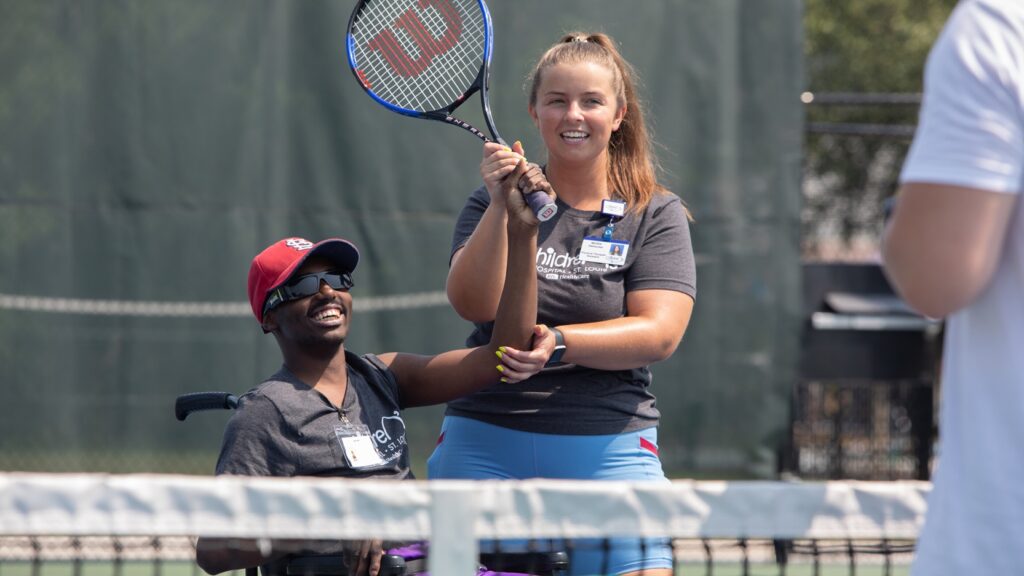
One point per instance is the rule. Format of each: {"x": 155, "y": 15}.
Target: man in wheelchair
{"x": 330, "y": 412}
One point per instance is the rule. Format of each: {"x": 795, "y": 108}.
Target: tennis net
{"x": 88, "y": 525}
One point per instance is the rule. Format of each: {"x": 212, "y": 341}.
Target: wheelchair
{"x": 410, "y": 560}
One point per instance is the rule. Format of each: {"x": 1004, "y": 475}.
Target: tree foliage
{"x": 877, "y": 46}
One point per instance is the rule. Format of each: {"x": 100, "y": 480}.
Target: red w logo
{"x": 428, "y": 46}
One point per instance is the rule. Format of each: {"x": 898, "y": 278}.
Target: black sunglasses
{"x": 306, "y": 285}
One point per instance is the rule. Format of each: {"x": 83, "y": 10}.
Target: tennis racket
{"x": 424, "y": 58}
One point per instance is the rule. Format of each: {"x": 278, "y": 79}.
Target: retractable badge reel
{"x": 615, "y": 210}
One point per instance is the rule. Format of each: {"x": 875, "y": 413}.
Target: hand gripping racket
{"x": 424, "y": 58}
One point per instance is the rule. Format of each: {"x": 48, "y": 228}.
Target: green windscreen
{"x": 148, "y": 149}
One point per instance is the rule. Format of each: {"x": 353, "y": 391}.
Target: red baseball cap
{"x": 275, "y": 265}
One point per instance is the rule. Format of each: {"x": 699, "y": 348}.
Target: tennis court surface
{"x": 91, "y": 525}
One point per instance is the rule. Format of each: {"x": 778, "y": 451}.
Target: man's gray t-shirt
{"x": 283, "y": 427}
{"x": 573, "y": 399}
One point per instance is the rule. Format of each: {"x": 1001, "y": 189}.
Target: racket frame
{"x": 446, "y": 115}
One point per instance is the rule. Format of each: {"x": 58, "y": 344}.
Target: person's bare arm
{"x": 435, "y": 379}
{"x": 656, "y": 322}
{"x": 943, "y": 244}
{"x": 477, "y": 271}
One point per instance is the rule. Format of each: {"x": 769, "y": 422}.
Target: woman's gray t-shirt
{"x": 574, "y": 399}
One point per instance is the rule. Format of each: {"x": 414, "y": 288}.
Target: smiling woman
{"x": 577, "y": 109}
{"x": 616, "y": 282}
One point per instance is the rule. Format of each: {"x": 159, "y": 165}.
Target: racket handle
{"x": 542, "y": 205}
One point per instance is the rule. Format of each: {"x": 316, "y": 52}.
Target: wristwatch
{"x": 556, "y": 356}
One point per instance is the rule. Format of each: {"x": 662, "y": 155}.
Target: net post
{"x": 816, "y": 554}
{"x": 157, "y": 565}
{"x": 887, "y": 553}
{"x": 76, "y": 560}
{"x": 37, "y": 559}
{"x": 606, "y": 552}
{"x": 851, "y": 552}
{"x": 119, "y": 557}
{"x": 746, "y": 557}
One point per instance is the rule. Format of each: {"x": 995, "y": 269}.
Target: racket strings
{"x": 393, "y": 55}
{"x": 441, "y": 83}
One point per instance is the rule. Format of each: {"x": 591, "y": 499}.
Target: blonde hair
{"x": 632, "y": 167}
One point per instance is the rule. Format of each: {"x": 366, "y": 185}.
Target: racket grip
{"x": 542, "y": 205}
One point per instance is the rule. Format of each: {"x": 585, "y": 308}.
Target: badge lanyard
{"x": 605, "y": 250}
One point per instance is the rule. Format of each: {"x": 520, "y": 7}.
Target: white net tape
{"x": 454, "y": 515}
{"x": 140, "y": 505}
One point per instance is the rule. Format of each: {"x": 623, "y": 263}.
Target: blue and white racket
{"x": 424, "y": 58}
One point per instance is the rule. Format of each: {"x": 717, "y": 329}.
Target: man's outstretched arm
{"x": 435, "y": 379}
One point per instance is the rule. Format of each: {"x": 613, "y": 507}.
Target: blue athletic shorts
{"x": 470, "y": 449}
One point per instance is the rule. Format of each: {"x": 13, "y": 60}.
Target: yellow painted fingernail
{"x": 498, "y": 354}
{"x": 518, "y": 143}
{"x": 502, "y": 348}
{"x": 500, "y": 368}
{"x": 503, "y": 379}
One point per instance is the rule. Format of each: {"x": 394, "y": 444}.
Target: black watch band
{"x": 556, "y": 355}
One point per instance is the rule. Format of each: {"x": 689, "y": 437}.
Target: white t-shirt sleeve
{"x": 971, "y": 129}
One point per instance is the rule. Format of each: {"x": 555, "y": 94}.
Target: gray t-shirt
{"x": 283, "y": 427}
{"x": 573, "y": 399}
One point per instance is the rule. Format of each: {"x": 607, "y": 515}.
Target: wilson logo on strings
{"x": 428, "y": 46}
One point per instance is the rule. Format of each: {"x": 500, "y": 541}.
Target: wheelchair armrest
{"x": 197, "y": 401}
{"x": 527, "y": 562}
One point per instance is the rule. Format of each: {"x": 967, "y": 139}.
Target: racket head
{"x": 420, "y": 58}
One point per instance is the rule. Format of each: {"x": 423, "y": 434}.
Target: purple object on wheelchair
{"x": 411, "y": 560}
{"x": 415, "y": 556}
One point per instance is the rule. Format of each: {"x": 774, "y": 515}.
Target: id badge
{"x": 613, "y": 208}
{"x": 611, "y": 252}
{"x": 357, "y": 445}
